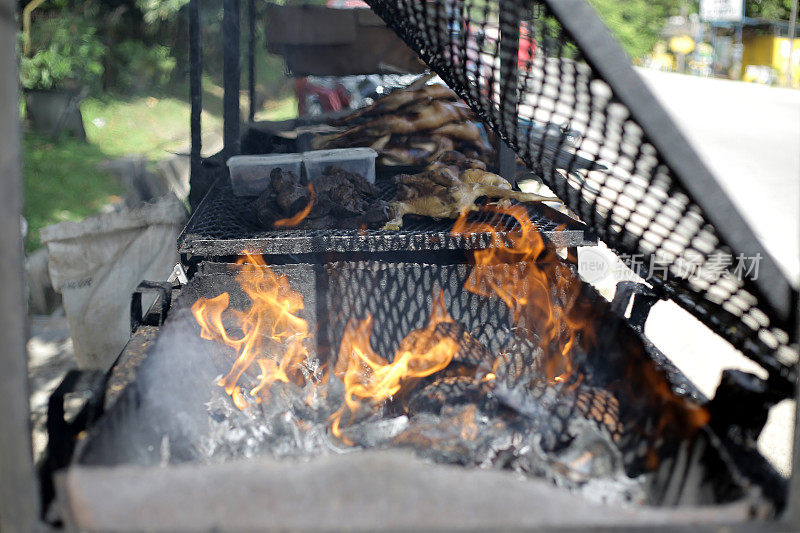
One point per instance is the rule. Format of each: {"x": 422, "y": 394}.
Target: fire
{"x": 543, "y": 294}
{"x": 272, "y": 334}
{"x": 370, "y": 378}
{"x": 300, "y": 215}
{"x": 541, "y": 291}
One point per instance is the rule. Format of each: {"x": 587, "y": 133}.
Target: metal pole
{"x": 510, "y": 18}
{"x": 739, "y": 49}
{"x": 792, "y": 28}
{"x": 195, "y": 82}
{"x": 231, "y": 72}
{"x": 19, "y": 495}
{"x": 251, "y": 58}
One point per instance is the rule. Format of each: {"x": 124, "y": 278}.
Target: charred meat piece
{"x": 285, "y": 196}
{"x": 340, "y": 199}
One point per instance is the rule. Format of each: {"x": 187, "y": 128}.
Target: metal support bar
{"x": 251, "y": 58}
{"x": 19, "y": 497}
{"x": 643, "y": 300}
{"x": 792, "y": 514}
{"x": 164, "y": 300}
{"x": 792, "y": 29}
{"x": 509, "y": 102}
{"x": 231, "y": 32}
{"x": 62, "y": 435}
{"x": 607, "y": 58}
{"x": 196, "y": 84}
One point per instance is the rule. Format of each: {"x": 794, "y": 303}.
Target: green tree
{"x": 769, "y": 9}
{"x": 637, "y": 24}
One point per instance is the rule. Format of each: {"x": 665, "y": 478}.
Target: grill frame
{"x": 203, "y": 238}
{"x": 757, "y": 471}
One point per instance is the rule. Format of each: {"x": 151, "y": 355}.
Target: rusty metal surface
{"x": 124, "y": 370}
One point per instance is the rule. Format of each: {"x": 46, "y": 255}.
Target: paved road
{"x": 749, "y": 135}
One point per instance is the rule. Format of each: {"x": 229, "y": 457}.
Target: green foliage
{"x": 159, "y": 10}
{"x": 144, "y": 125}
{"x": 769, "y": 9}
{"x": 62, "y": 182}
{"x": 637, "y": 24}
{"x": 66, "y": 50}
{"x": 142, "y": 67}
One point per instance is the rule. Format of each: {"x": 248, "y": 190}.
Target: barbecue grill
{"x": 223, "y": 226}
{"x": 624, "y": 426}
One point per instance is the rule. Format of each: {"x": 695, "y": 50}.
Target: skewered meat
{"x": 396, "y": 100}
{"x": 441, "y": 191}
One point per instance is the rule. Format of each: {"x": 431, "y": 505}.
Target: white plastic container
{"x": 250, "y": 173}
{"x": 356, "y": 160}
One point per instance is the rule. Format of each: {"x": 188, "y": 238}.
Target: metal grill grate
{"x": 225, "y": 224}
{"x": 522, "y": 65}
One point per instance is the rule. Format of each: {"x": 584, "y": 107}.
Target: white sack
{"x": 96, "y": 264}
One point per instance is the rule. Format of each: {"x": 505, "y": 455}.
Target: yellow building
{"x": 763, "y": 52}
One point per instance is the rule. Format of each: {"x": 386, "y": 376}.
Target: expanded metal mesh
{"x": 515, "y": 65}
{"x": 225, "y": 224}
{"x": 399, "y": 297}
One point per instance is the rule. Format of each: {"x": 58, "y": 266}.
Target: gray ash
{"x": 514, "y": 420}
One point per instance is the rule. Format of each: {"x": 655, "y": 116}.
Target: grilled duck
{"x": 447, "y": 188}
{"x": 413, "y": 150}
{"x": 395, "y": 101}
{"x": 424, "y": 118}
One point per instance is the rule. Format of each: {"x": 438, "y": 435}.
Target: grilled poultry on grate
{"x": 396, "y": 100}
{"x": 419, "y": 118}
{"x": 448, "y": 187}
{"x": 410, "y": 127}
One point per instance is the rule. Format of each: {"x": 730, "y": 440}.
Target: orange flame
{"x": 270, "y": 325}
{"x": 538, "y": 288}
{"x": 368, "y": 377}
{"x": 543, "y": 292}
{"x": 298, "y": 217}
